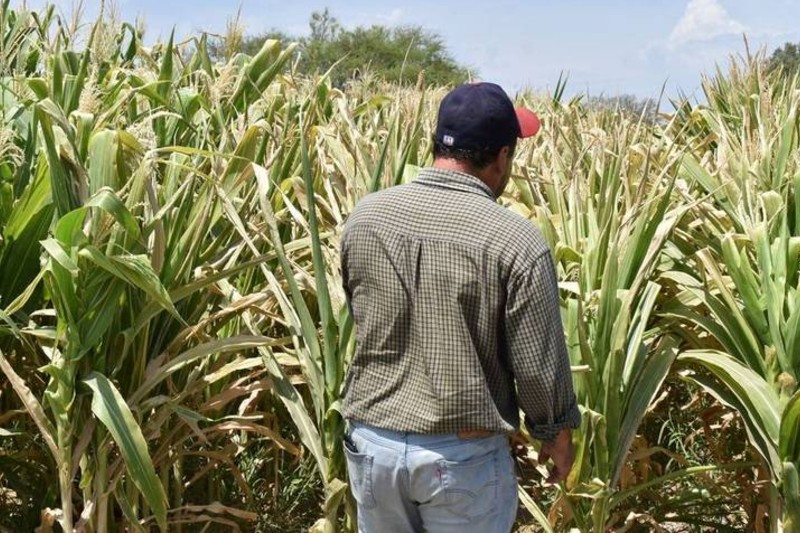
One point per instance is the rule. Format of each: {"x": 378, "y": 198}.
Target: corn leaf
{"x": 746, "y": 391}
{"x": 789, "y": 441}
{"x": 110, "y": 408}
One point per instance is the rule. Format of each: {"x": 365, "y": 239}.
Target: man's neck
{"x": 454, "y": 165}
{"x": 458, "y": 166}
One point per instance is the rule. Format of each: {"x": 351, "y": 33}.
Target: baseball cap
{"x": 481, "y": 115}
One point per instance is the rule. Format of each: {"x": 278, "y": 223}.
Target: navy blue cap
{"x": 481, "y": 115}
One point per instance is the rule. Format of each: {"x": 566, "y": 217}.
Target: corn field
{"x": 173, "y": 332}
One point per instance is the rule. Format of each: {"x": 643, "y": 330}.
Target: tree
{"x": 398, "y": 55}
{"x": 787, "y": 58}
{"x": 324, "y": 26}
{"x": 395, "y": 54}
{"x": 627, "y": 104}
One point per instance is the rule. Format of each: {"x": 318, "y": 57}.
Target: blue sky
{"x": 609, "y": 47}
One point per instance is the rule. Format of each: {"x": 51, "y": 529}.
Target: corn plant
{"x": 744, "y": 293}
{"x": 604, "y": 201}
{"x": 170, "y": 294}
{"x": 145, "y": 362}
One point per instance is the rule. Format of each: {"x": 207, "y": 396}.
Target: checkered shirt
{"x": 456, "y": 306}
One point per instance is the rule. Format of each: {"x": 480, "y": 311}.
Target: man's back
{"x": 428, "y": 267}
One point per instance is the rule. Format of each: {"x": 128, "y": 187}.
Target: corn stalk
{"x": 744, "y": 292}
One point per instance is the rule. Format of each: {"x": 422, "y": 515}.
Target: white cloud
{"x": 703, "y": 20}
{"x": 393, "y": 17}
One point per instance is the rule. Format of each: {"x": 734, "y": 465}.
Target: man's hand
{"x": 561, "y": 452}
{"x": 519, "y": 444}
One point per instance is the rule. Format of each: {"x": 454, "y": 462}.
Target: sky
{"x": 604, "y": 47}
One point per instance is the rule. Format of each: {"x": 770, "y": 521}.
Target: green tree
{"x": 397, "y": 55}
{"x": 786, "y": 57}
{"x": 394, "y": 54}
{"x": 324, "y": 26}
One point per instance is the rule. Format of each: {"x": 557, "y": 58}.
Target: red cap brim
{"x": 529, "y": 123}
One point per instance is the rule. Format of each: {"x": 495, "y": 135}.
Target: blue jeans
{"x": 407, "y": 482}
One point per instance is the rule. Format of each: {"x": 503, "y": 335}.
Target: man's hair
{"x": 476, "y": 159}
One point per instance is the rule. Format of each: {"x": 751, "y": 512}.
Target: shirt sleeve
{"x": 345, "y": 274}
{"x": 538, "y": 352}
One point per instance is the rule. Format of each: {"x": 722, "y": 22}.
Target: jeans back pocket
{"x": 359, "y": 470}
{"x": 470, "y": 486}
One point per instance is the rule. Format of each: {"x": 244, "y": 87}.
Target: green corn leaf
{"x": 728, "y": 312}
{"x": 24, "y": 297}
{"x": 692, "y": 170}
{"x": 312, "y": 356}
{"x": 648, "y": 238}
{"x": 790, "y": 489}
{"x": 135, "y": 270}
{"x": 791, "y": 334}
{"x": 796, "y": 189}
{"x": 377, "y": 174}
{"x": 62, "y": 187}
{"x": 742, "y": 388}
{"x": 107, "y": 200}
{"x": 35, "y": 198}
{"x": 110, "y": 408}
{"x": 633, "y": 342}
{"x": 332, "y": 370}
{"x": 639, "y": 396}
{"x": 786, "y": 143}
{"x": 19, "y": 257}
{"x": 104, "y": 170}
{"x": 76, "y": 88}
{"x": 789, "y": 441}
{"x": 54, "y": 249}
{"x": 774, "y": 290}
{"x": 39, "y": 87}
{"x": 167, "y": 62}
{"x": 747, "y": 285}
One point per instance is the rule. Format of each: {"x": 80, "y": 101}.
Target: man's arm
{"x": 540, "y": 362}
{"x": 343, "y": 268}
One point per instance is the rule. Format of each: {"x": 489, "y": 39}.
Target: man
{"x": 457, "y": 319}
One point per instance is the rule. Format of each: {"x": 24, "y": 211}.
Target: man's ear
{"x": 503, "y": 158}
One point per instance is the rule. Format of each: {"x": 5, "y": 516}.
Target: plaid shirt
{"x": 455, "y": 299}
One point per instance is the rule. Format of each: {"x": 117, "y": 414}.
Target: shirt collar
{"x": 452, "y": 179}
